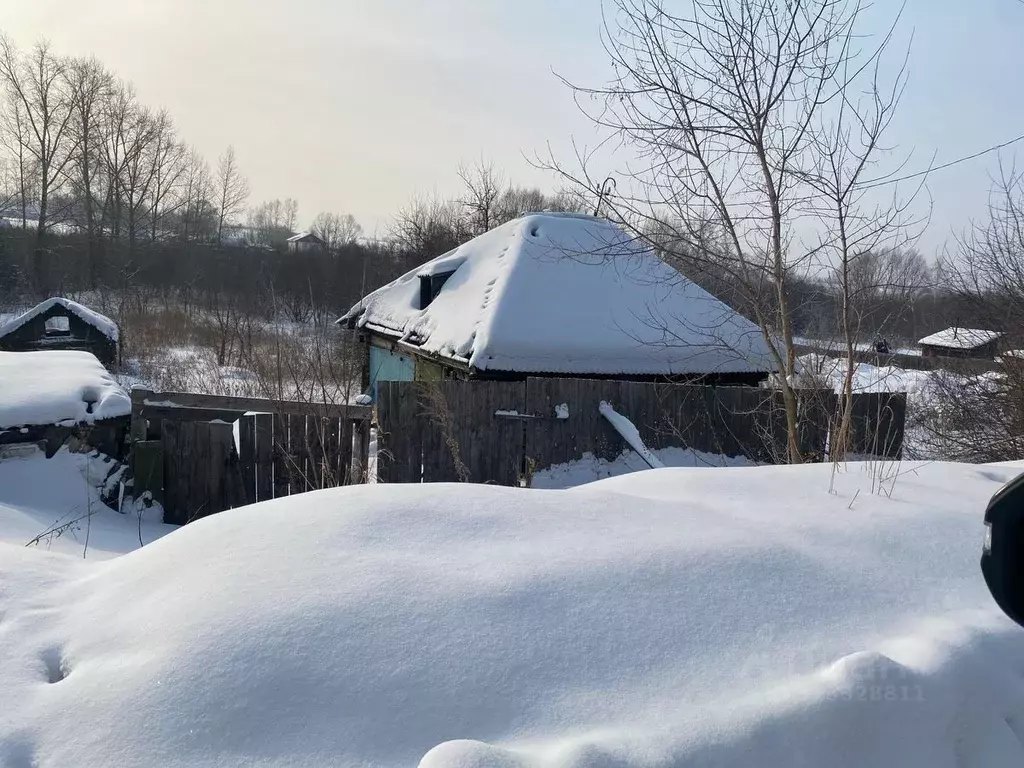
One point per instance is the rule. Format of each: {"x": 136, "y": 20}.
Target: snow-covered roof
{"x": 103, "y": 324}
{"x": 304, "y": 236}
{"x": 961, "y": 338}
{"x": 565, "y": 293}
{"x": 39, "y": 388}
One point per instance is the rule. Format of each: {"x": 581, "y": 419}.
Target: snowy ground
{"x": 58, "y": 501}
{"x": 676, "y": 617}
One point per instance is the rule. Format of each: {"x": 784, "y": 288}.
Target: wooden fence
{"x": 185, "y": 453}
{"x": 500, "y": 432}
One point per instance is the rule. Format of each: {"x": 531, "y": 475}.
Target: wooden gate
{"x": 451, "y": 431}
{"x": 185, "y": 452}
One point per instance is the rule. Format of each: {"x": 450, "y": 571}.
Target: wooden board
{"x": 247, "y": 457}
{"x": 200, "y": 470}
{"x": 281, "y": 461}
{"x": 264, "y": 462}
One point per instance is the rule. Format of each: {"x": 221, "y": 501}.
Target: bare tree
{"x": 273, "y": 222}
{"x": 483, "y": 187}
{"x": 168, "y": 158}
{"x": 843, "y": 151}
{"x": 89, "y": 85}
{"x": 336, "y": 229}
{"x": 198, "y": 221}
{"x": 15, "y": 138}
{"x": 722, "y": 101}
{"x": 428, "y": 227}
{"x": 232, "y": 191}
{"x": 36, "y": 82}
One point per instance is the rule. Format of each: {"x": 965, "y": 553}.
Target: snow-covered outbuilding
{"x": 974, "y": 343}
{"x": 554, "y": 295}
{"x": 45, "y": 396}
{"x": 305, "y": 241}
{"x": 62, "y": 324}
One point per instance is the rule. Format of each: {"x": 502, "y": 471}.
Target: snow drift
{"x": 677, "y": 617}
{"x": 40, "y": 388}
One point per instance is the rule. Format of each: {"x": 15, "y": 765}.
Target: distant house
{"x": 305, "y": 241}
{"x": 554, "y": 295}
{"x": 62, "y": 324}
{"x": 973, "y": 343}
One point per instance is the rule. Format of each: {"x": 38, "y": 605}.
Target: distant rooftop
{"x": 961, "y": 338}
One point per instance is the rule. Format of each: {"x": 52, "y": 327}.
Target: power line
{"x": 995, "y": 148}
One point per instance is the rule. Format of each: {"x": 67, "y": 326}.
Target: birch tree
{"x": 36, "y": 83}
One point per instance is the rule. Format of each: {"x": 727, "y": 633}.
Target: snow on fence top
{"x": 103, "y": 324}
{"x": 549, "y": 293}
{"x": 960, "y": 338}
{"x": 65, "y": 388}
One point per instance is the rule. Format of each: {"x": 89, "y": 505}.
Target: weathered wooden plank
{"x": 297, "y": 453}
{"x": 330, "y": 468}
{"x": 148, "y": 469}
{"x": 282, "y": 472}
{"x": 348, "y": 473}
{"x": 247, "y": 457}
{"x": 174, "y": 504}
{"x": 246, "y": 404}
{"x": 400, "y": 434}
{"x": 361, "y": 449}
{"x": 174, "y": 413}
{"x": 264, "y": 464}
{"x": 405, "y": 435}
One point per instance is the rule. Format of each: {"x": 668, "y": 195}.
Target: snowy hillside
{"x": 678, "y": 617}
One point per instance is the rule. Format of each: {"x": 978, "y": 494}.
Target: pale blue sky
{"x": 354, "y": 105}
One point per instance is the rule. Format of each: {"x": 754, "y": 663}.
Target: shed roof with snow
{"x": 59, "y": 388}
{"x": 307, "y": 237}
{"x": 961, "y": 338}
{"x": 101, "y": 323}
{"x": 565, "y": 294}
{"x": 62, "y": 324}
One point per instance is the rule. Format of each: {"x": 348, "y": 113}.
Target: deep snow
{"x": 41, "y": 388}
{"x": 676, "y": 617}
{"x": 57, "y": 501}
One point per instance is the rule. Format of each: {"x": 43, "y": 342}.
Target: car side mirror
{"x": 1002, "y": 559}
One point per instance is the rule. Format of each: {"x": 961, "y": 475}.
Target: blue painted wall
{"x": 389, "y": 366}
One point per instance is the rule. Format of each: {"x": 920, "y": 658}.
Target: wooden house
{"x": 966, "y": 343}
{"x": 62, "y": 324}
{"x": 305, "y": 241}
{"x": 556, "y": 295}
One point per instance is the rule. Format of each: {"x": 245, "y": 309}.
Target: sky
{"x": 356, "y": 106}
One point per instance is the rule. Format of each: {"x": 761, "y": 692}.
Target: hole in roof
{"x": 90, "y": 396}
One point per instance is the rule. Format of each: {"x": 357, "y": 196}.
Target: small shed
{"x": 45, "y": 397}
{"x": 556, "y": 295}
{"x": 967, "y": 343}
{"x": 62, "y": 324}
{"x": 305, "y": 241}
